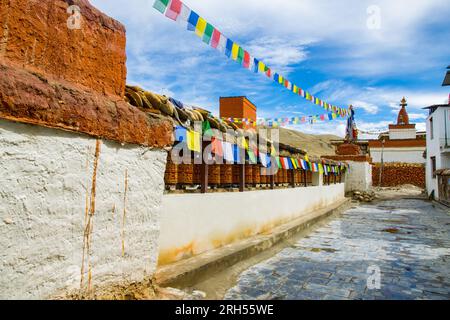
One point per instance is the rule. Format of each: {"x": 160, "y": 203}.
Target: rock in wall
{"x": 35, "y": 35}
{"x": 396, "y": 174}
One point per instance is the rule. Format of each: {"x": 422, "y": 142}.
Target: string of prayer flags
{"x": 233, "y": 153}
{"x": 178, "y": 11}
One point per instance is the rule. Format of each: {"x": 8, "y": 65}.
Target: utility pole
{"x": 382, "y": 163}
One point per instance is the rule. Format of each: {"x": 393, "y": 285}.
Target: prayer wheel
{"x": 256, "y": 174}
{"x": 263, "y": 177}
{"x": 279, "y": 177}
{"x": 186, "y": 174}
{"x": 285, "y": 176}
{"x": 214, "y": 174}
{"x": 226, "y": 174}
{"x": 249, "y": 174}
{"x": 297, "y": 176}
{"x": 197, "y": 174}
{"x": 171, "y": 174}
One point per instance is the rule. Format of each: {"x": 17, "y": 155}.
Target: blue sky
{"x": 325, "y": 47}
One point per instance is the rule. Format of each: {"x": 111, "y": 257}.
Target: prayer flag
{"x": 216, "y": 147}
{"x": 228, "y": 152}
{"x": 215, "y": 38}
{"x": 234, "y": 51}
{"x": 192, "y": 21}
{"x": 180, "y": 134}
{"x": 161, "y": 5}
{"x": 256, "y": 65}
{"x": 229, "y": 47}
{"x": 240, "y": 56}
{"x": 200, "y": 27}
{"x": 252, "y": 157}
{"x": 222, "y": 43}
{"x": 174, "y": 9}
{"x": 193, "y": 141}
{"x": 246, "y": 60}
{"x": 208, "y": 33}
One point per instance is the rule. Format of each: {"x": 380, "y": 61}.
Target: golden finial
{"x": 403, "y": 102}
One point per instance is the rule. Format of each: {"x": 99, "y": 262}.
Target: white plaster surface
{"x": 195, "y": 223}
{"x": 397, "y": 134}
{"x": 46, "y": 176}
{"x": 407, "y": 155}
{"x": 358, "y": 177}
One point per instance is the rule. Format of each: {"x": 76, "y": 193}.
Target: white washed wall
{"x": 195, "y": 223}
{"x": 46, "y": 177}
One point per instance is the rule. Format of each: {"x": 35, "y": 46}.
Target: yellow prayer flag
{"x": 234, "y": 51}
{"x": 200, "y": 27}
{"x": 193, "y": 141}
{"x": 261, "y": 67}
{"x": 320, "y": 168}
{"x": 306, "y": 158}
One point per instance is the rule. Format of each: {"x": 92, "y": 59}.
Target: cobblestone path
{"x": 395, "y": 249}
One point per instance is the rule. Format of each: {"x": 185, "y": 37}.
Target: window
{"x": 433, "y": 166}
{"x": 431, "y": 129}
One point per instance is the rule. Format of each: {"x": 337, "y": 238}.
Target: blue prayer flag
{"x": 192, "y": 21}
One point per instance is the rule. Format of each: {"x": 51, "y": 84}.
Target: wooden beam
{"x": 242, "y": 177}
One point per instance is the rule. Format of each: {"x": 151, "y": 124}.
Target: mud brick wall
{"x": 398, "y": 174}
{"x": 34, "y": 34}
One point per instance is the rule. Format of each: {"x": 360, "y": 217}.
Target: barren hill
{"x": 318, "y": 145}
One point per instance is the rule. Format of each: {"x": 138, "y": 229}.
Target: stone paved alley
{"x": 407, "y": 239}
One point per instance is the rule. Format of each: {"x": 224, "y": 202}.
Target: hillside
{"x": 317, "y": 145}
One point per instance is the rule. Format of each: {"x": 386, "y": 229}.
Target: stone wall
{"x": 34, "y": 35}
{"x": 395, "y": 174}
{"x": 52, "y": 184}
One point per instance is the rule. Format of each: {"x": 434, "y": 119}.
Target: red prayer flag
{"x": 216, "y": 147}
{"x": 246, "y": 60}
{"x": 174, "y": 9}
{"x": 269, "y": 72}
{"x": 215, "y": 38}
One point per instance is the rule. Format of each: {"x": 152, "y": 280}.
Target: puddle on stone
{"x": 331, "y": 250}
{"x": 390, "y": 230}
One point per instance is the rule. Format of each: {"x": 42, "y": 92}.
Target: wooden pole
{"x": 204, "y": 172}
{"x": 242, "y": 177}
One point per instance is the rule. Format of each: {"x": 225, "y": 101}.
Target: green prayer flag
{"x": 208, "y": 33}
{"x": 207, "y": 129}
{"x": 279, "y": 163}
{"x": 251, "y": 156}
{"x": 161, "y": 5}
{"x": 240, "y": 57}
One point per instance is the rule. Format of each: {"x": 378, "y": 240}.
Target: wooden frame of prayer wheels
{"x": 171, "y": 173}
{"x": 214, "y": 174}
{"x": 186, "y": 174}
{"x": 249, "y": 174}
{"x": 256, "y": 175}
{"x": 226, "y": 175}
{"x": 236, "y": 173}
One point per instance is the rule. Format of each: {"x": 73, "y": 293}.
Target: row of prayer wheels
{"x": 228, "y": 175}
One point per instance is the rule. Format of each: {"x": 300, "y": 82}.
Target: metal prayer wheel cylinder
{"x": 214, "y": 174}
{"x": 226, "y": 175}
{"x": 186, "y": 174}
{"x": 197, "y": 174}
{"x": 278, "y": 176}
{"x": 249, "y": 174}
{"x": 256, "y": 174}
{"x": 309, "y": 177}
{"x": 171, "y": 174}
{"x": 285, "y": 176}
{"x": 263, "y": 177}
{"x": 297, "y": 176}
